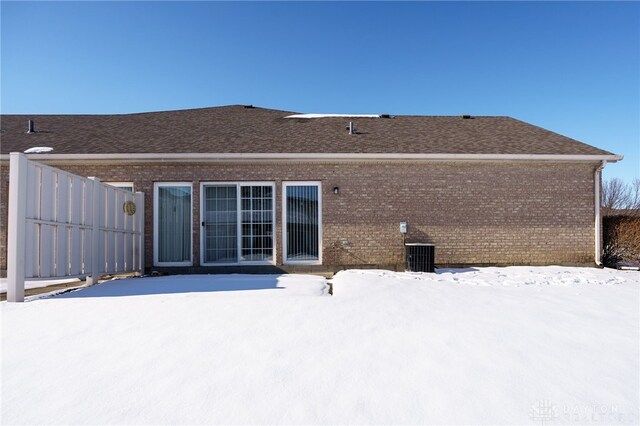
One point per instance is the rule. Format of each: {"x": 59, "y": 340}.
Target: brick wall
{"x": 475, "y": 213}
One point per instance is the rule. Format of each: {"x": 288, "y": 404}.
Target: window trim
{"x": 285, "y": 184}
{"x": 156, "y": 186}
{"x": 122, "y": 185}
{"x": 238, "y": 185}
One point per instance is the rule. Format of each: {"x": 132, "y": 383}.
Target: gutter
{"x": 306, "y": 157}
{"x": 597, "y": 182}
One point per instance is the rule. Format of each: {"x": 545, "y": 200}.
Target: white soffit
{"x": 265, "y": 157}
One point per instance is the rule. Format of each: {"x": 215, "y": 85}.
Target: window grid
{"x": 257, "y": 223}
{"x": 221, "y": 224}
{"x": 238, "y": 223}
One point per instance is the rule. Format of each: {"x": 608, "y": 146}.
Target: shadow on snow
{"x": 455, "y": 270}
{"x": 173, "y": 284}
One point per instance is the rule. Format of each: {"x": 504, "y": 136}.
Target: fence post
{"x": 16, "y": 226}
{"x": 140, "y": 228}
{"x": 96, "y": 235}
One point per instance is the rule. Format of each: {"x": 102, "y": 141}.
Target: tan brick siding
{"x": 474, "y": 212}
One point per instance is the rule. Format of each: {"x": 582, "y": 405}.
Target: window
{"x": 220, "y": 214}
{"x": 237, "y": 223}
{"x": 257, "y": 223}
{"x": 123, "y": 185}
{"x": 172, "y": 224}
{"x": 302, "y": 219}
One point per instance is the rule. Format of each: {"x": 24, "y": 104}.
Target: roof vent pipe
{"x": 31, "y": 127}
{"x": 351, "y": 128}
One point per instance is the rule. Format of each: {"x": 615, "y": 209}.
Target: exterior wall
{"x": 4, "y": 214}
{"x": 476, "y": 213}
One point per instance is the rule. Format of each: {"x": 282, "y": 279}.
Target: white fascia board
{"x": 266, "y": 157}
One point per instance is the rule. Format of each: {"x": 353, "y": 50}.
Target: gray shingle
{"x": 236, "y": 129}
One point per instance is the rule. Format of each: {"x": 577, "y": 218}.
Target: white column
{"x": 96, "y": 234}
{"x": 16, "y": 226}
{"x": 140, "y": 228}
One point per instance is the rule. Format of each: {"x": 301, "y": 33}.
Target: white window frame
{"x": 284, "y": 223}
{"x": 238, "y": 185}
{"x": 122, "y": 185}
{"x": 156, "y": 186}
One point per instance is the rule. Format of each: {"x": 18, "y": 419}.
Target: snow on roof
{"x": 333, "y": 115}
{"x": 38, "y": 150}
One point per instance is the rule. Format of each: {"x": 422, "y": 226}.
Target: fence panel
{"x": 76, "y": 244}
{"x": 62, "y": 225}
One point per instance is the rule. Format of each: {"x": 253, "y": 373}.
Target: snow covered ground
{"x": 517, "y": 345}
{"x": 37, "y": 284}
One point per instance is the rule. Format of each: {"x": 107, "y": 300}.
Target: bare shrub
{"x": 621, "y": 237}
{"x": 621, "y": 222}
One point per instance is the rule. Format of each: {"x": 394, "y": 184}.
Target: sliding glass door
{"x": 256, "y": 221}
{"x": 220, "y": 226}
{"x": 302, "y": 218}
{"x": 238, "y": 223}
{"x": 172, "y": 224}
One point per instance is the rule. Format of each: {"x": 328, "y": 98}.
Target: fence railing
{"x": 62, "y": 225}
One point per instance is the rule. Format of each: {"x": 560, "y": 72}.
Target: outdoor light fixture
{"x": 336, "y": 190}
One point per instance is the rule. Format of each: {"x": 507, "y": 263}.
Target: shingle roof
{"x": 236, "y": 129}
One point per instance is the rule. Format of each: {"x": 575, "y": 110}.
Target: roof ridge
{"x": 120, "y": 114}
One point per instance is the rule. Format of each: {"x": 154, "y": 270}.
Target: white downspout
{"x": 598, "y": 216}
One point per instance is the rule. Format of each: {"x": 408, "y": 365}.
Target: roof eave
{"x": 266, "y": 157}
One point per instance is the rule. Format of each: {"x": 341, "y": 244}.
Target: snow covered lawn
{"x": 37, "y": 284}
{"x": 517, "y": 345}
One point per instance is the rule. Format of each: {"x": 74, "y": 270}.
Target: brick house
{"x": 252, "y": 189}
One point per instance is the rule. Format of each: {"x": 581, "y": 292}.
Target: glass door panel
{"x": 257, "y": 223}
{"x": 302, "y": 223}
{"x": 220, "y": 224}
{"x": 238, "y": 223}
{"x": 174, "y": 224}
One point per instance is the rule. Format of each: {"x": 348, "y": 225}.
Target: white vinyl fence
{"x": 62, "y": 225}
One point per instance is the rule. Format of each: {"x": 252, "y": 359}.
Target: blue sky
{"x": 572, "y": 67}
